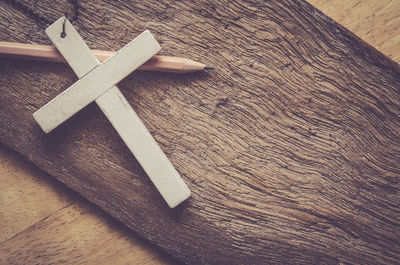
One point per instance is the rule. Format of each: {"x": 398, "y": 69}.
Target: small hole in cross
{"x": 63, "y": 34}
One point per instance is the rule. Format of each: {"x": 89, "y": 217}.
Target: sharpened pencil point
{"x": 208, "y": 67}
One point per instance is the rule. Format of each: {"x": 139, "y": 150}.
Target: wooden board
{"x": 330, "y": 198}
{"x": 376, "y": 22}
{"x": 42, "y": 222}
{"x": 23, "y": 193}
{"x": 31, "y": 185}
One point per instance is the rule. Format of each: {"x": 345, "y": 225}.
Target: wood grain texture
{"x": 43, "y": 222}
{"x": 69, "y": 241}
{"x": 79, "y": 234}
{"x": 23, "y": 192}
{"x": 376, "y": 22}
{"x": 291, "y": 148}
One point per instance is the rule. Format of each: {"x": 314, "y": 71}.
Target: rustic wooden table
{"x": 44, "y": 222}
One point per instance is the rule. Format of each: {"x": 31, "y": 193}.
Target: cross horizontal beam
{"x": 97, "y": 81}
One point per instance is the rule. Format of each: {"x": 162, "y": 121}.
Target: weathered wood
{"x": 291, "y": 148}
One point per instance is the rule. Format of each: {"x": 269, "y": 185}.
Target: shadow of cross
{"x": 98, "y": 83}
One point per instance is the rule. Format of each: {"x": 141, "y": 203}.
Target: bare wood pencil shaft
{"x": 50, "y": 54}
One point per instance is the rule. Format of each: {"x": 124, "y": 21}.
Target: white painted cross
{"x": 98, "y": 83}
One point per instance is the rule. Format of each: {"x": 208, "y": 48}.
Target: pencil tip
{"x": 208, "y": 67}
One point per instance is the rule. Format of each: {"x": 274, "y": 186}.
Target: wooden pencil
{"x": 50, "y": 54}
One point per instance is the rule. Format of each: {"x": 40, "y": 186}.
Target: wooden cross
{"x": 98, "y": 83}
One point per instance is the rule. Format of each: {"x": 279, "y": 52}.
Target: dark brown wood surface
{"x": 290, "y": 147}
